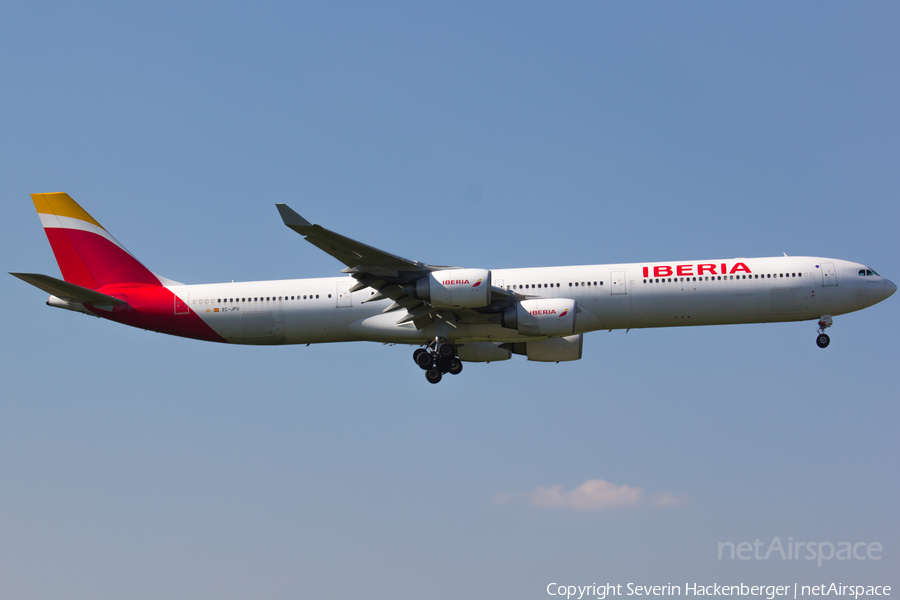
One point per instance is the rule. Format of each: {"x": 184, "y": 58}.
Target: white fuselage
{"x": 616, "y": 296}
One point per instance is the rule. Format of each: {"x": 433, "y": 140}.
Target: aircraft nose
{"x": 889, "y": 288}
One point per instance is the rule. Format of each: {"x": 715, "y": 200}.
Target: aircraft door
{"x": 617, "y": 282}
{"x": 828, "y": 276}
{"x": 344, "y": 299}
{"x": 181, "y": 306}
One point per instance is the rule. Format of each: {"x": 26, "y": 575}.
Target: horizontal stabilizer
{"x": 67, "y": 291}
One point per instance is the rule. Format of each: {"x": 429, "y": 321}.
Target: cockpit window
{"x": 868, "y": 273}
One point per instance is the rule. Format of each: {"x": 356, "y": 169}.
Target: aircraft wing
{"x": 389, "y": 275}
{"x": 67, "y": 291}
{"x": 356, "y": 255}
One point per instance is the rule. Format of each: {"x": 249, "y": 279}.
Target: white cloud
{"x": 668, "y": 499}
{"x": 592, "y": 495}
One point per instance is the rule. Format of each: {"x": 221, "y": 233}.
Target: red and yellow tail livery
{"x": 87, "y": 254}
{"x": 103, "y": 279}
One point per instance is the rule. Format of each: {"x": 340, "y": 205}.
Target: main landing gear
{"x": 439, "y": 358}
{"x": 822, "y": 340}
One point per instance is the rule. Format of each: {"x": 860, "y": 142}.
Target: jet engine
{"x": 456, "y": 288}
{"x": 542, "y": 316}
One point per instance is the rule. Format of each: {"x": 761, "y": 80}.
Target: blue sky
{"x": 486, "y": 135}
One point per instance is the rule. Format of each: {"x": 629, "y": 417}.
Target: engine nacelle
{"x": 482, "y": 352}
{"x": 456, "y": 288}
{"x": 542, "y": 316}
{"x": 553, "y": 350}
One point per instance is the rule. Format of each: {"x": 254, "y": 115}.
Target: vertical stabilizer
{"x": 86, "y": 253}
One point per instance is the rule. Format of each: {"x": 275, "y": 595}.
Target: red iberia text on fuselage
{"x": 696, "y": 269}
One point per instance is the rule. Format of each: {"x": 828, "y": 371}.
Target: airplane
{"x": 453, "y": 314}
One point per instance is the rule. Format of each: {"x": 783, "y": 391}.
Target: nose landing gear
{"x": 822, "y": 340}
{"x": 439, "y": 358}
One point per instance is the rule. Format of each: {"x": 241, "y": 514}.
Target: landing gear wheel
{"x": 823, "y": 340}
{"x": 433, "y": 375}
{"x": 455, "y": 367}
{"x": 422, "y": 358}
{"x": 446, "y": 350}
{"x": 442, "y": 364}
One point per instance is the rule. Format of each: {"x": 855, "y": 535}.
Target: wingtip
{"x": 290, "y": 217}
